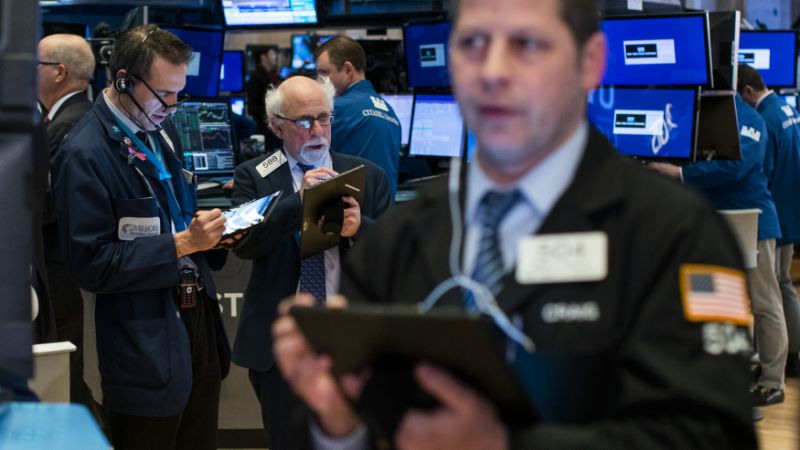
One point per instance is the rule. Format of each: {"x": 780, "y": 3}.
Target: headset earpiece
{"x": 123, "y": 84}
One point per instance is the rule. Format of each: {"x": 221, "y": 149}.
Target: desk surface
{"x": 49, "y": 426}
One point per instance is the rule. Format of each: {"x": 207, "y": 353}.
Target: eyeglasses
{"x": 48, "y": 63}
{"x": 182, "y": 97}
{"x": 324, "y": 119}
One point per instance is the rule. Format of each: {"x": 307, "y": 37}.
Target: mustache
{"x": 316, "y": 141}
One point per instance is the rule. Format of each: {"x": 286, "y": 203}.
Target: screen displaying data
{"x": 650, "y": 123}
{"x": 206, "y": 137}
{"x": 269, "y": 12}
{"x": 671, "y": 50}
{"x": 437, "y": 128}
{"x": 402, "y": 104}
{"x": 772, "y": 53}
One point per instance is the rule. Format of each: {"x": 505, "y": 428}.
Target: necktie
{"x": 46, "y": 120}
{"x": 312, "y": 269}
{"x": 489, "y": 261}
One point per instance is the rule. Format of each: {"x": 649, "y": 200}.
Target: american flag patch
{"x": 714, "y": 294}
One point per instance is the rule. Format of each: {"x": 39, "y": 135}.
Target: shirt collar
{"x": 761, "y": 99}
{"x": 543, "y": 185}
{"x": 120, "y": 115}
{"x": 57, "y": 105}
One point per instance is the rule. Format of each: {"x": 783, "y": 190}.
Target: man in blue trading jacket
{"x": 366, "y": 126}
{"x": 782, "y": 167}
{"x": 155, "y": 349}
{"x": 653, "y": 321}
{"x": 741, "y": 184}
{"x": 299, "y": 113}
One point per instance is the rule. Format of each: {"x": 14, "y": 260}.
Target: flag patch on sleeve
{"x": 714, "y": 294}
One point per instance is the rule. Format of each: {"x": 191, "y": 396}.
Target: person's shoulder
{"x": 87, "y": 134}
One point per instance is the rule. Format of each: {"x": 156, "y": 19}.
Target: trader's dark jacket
{"x": 275, "y": 250}
{"x": 644, "y": 375}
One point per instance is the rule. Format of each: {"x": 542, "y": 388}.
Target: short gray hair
{"x": 274, "y": 98}
{"x": 75, "y": 53}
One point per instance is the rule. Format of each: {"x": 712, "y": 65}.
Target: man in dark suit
{"x": 66, "y": 64}
{"x": 631, "y": 286}
{"x": 299, "y": 112}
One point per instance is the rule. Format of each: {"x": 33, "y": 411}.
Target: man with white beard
{"x": 299, "y": 111}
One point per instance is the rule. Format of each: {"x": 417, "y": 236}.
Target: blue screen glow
{"x": 773, "y": 54}
{"x": 231, "y": 75}
{"x": 426, "y": 54}
{"x": 202, "y": 78}
{"x": 652, "y": 123}
{"x": 656, "y": 51}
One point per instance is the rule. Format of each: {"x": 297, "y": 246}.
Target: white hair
{"x": 75, "y": 53}
{"x": 275, "y": 95}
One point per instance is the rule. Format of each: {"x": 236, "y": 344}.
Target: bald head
{"x": 73, "y": 71}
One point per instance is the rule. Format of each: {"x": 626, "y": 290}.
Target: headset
{"x": 124, "y": 84}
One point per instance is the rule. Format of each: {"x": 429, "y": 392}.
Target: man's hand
{"x": 667, "y": 169}
{"x": 314, "y": 177}
{"x": 352, "y": 217}
{"x": 309, "y": 374}
{"x": 203, "y": 233}
{"x": 465, "y": 419}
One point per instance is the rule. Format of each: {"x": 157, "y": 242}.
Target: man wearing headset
{"x": 155, "y": 349}
{"x": 650, "y": 323}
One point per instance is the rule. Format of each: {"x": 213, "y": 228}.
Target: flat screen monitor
{"x": 724, "y": 48}
{"x": 647, "y": 123}
{"x": 303, "y": 46}
{"x": 437, "y": 128}
{"x": 231, "y": 76}
{"x": 206, "y": 136}
{"x": 202, "y": 78}
{"x": 773, "y": 54}
{"x": 261, "y": 13}
{"x": 426, "y": 47}
{"x": 402, "y": 104}
{"x": 663, "y": 50}
{"x": 237, "y": 105}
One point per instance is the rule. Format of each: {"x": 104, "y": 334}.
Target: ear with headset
{"x": 123, "y": 84}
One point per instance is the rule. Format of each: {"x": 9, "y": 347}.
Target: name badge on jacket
{"x": 562, "y": 258}
{"x": 272, "y": 162}
{"x": 130, "y": 228}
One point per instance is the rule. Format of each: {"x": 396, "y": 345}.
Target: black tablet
{"x": 391, "y": 340}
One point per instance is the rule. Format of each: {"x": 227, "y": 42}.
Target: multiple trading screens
{"x": 231, "y": 75}
{"x": 202, "y": 78}
{"x": 260, "y": 13}
{"x": 206, "y": 135}
{"x": 773, "y": 54}
{"x": 403, "y": 105}
{"x": 666, "y": 51}
{"x": 647, "y": 123}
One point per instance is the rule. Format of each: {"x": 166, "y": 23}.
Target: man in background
{"x": 366, "y": 126}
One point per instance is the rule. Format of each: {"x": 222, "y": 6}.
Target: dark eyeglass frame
{"x": 182, "y": 96}
{"x": 308, "y": 122}
{"x": 49, "y": 63}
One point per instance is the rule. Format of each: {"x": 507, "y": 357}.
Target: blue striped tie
{"x": 489, "y": 267}
{"x": 312, "y": 269}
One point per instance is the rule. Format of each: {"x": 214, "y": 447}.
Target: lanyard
{"x": 163, "y": 175}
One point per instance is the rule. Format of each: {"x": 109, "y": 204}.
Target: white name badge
{"x": 562, "y": 258}
{"x": 272, "y": 162}
{"x": 131, "y": 228}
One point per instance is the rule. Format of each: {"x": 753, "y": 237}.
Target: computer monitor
{"x": 426, "y": 47}
{"x": 647, "y": 123}
{"x": 238, "y": 105}
{"x": 437, "y": 128}
{"x": 402, "y": 104}
{"x": 303, "y": 46}
{"x": 724, "y": 48}
{"x": 203, "y": 76}
{"x": 207, "y": 136}
{"x": 773, "y": 54}
{"x": 670, "y": 50}
{"x": 261, "y": 13}
{"x": 231, "y": 77}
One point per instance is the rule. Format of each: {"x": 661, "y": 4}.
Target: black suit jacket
{"x": 275, "y": 251}
{"x": 641, "y": 374}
